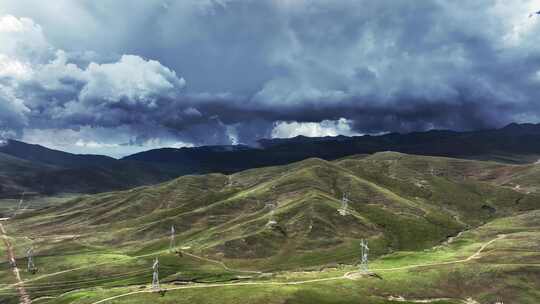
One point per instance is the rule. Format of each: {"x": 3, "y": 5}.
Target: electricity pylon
{"x": 172, "y": 243}
{"x": 344, "y": 210}
{"x": 155, "y": 276}
{"x": 364, "y": 251}
{"x": 271, "y": 220}
{"x": 30, "y": 257}
{"x": 21, "y": 200}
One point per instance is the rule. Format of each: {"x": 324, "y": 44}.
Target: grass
{"x": 406, "y": 206}
{"x": 457, "y": 281}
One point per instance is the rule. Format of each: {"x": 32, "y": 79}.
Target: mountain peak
{"x": 522, "y": 128}
{"x": 44, "y": 155}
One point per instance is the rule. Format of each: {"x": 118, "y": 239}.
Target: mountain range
{"x": 36, "y": 169}
{"x": 437, "y": 228}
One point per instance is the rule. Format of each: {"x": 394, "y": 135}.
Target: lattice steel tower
{"x": 271, "y": 219}
{"x": 30, "y": 257}
{"x": 155, "y": 276}
{"x": 19, "y": 205}
{"x": 172, "y": 243}
{"x": 344, "y": 209}
{"x": 364, "y": 251}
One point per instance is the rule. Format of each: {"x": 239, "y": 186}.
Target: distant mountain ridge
{"x": 515, "y": 143}
{"x": 26, "y": 167}
{"x": 35, "y": 169}
{"x": 40, "y": 154}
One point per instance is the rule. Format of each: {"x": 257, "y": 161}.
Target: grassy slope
{"x": 507, "y": 269}
{"x": 399, "y": 202}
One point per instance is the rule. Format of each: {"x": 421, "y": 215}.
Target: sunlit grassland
{"x": 98, "y": 246}
{"x": 493, "y": 275}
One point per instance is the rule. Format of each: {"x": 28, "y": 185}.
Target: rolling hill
{"x": 440, "y": 230}
{"x": 37, "y": 170}
{"x": 397, "y": 201}
{"x": 43, "y": 155}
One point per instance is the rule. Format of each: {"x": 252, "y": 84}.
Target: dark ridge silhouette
{"x": 33, "y": 168}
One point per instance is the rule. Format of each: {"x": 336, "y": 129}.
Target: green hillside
{"x": 397, "y": 201}
{"x": 39, "y": 171}
{"x": 403, "y": 205}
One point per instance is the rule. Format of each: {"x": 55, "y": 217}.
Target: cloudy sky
{"x": 116, "y": 77}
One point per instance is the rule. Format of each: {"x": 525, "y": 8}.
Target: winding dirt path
{"x": 221, "y": 285}
{"x": 220, "y": 263}
{"x": 23, "y": 295}
{"x": 37, "y": 278}
{"x": 402, "y": 299}
{"x": 475, "y": 255}
{"x": 348, "y": 275}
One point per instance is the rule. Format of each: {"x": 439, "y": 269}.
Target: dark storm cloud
{"x": 221, "y": 71}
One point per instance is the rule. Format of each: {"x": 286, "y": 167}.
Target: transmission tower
{"x": 21, "y": 201}
{"x": 172, "y": 243}
{"x": 19, "y": 205}
{"x": 364, "y": 251}
{"x": 30, "y": 257}
{"x": 344, "y": 209}
{"x": 155, "y": 276}
{"x": 271, "y": 219}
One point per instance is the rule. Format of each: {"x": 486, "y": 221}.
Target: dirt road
{"x": 348, "y": 275}
{"x": 23, "y": 295}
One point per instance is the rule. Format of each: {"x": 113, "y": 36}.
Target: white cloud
{"x": 26, "y": 55}
{"x": 20, "y": 41}
{"x": 38, "y": 85}
{"x": 191, "y": 111}
{"x": 341, "y": 126}
{"x": 13, "y": 112}
{"x": 132, "y": 79}
{"x": 23, "y": 39}
{"x": 386, "y": 65}
{"x": 11, "y": 24}
{"x": 232, "y": 134}
{"x": 14, "y": 69}
{"x": 116, "y": 142}
{"x": 94, "y": 144}
{"x": 53, "y": 74}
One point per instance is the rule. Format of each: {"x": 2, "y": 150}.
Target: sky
{"x": 118, "y": 77}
